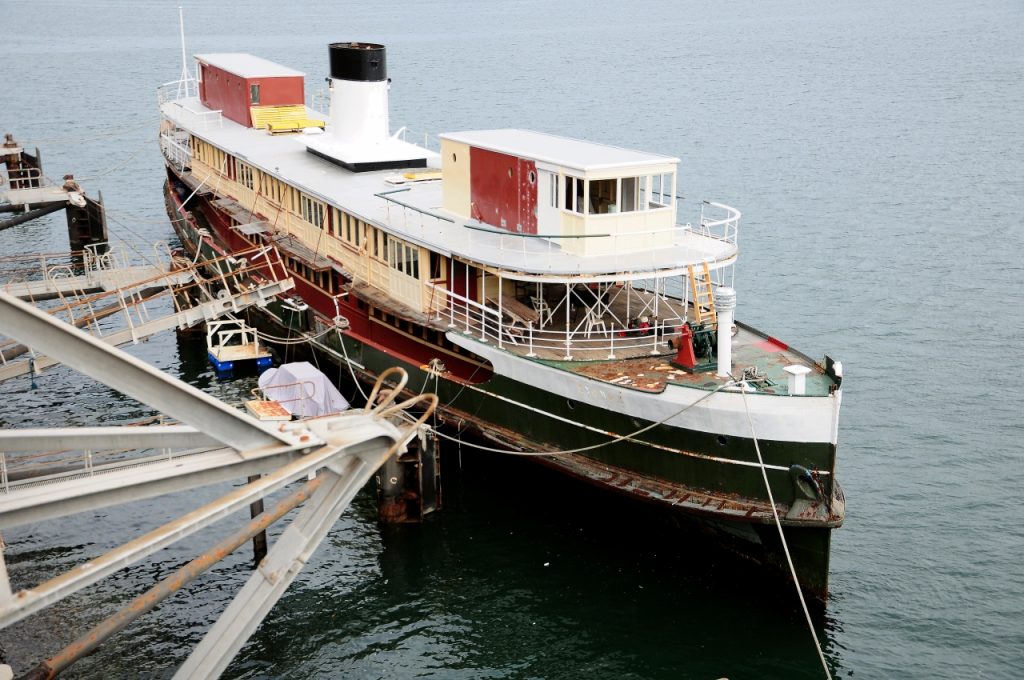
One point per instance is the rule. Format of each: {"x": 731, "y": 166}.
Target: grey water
{"x": 876, "y": 151}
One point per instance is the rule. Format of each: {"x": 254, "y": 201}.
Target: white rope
{"x": 77, "y": 141}
{"x": 348, "y": 362}
{"x": 301, "y": 340}
{"x": 782, "y": 537}
{"x": 614, "y": 440}
{"x": 128, "y": 160}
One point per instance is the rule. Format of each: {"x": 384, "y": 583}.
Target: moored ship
{"x": 543, "y": 287}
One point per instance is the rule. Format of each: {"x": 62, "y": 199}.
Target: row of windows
{"x": 312, "y": 211}
{"x": 324, "y": 278}
{"x": 405, "y": 258}
{"x": 348, "y": 228}
{"x": 618, "y": 194}
{"x": 245, "y": 175}
{"x": 400, "y": 255}
{"x": 209, "y": 154}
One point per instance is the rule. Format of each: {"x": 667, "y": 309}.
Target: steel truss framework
{"x": 213, "y": 443}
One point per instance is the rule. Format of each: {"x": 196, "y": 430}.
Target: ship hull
{"x": 679, "y": 470}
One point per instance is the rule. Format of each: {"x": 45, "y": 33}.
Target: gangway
{"x": 239, "y": 285}
{"x": 212, "y": 443}
{"x": 103, "y": 271}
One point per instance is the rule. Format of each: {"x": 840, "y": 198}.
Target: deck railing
{"x": 182, "y": 94}
{"x": 724, "y": 226}
{"x": 175, "y": 148}
{"x": 575, "y": 341}
{"x": 545, "y": 248}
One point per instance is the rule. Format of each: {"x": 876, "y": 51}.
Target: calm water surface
{"x": 875, "y": 151}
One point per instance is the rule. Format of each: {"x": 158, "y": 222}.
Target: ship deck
{"x": 643, "y": 360}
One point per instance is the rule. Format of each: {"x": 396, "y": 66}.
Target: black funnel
{"x": 358, "y": 61}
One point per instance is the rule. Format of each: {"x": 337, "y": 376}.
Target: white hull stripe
{"x": 775, "y": 417}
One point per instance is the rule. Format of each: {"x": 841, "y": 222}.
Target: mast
{"x": 183, "y": 81}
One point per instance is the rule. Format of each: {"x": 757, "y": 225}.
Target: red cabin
{"x": 236, "y": 82}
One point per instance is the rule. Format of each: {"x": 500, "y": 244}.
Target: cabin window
{"x": 254, "y": 93}
{"x": 405, "y": 258}
{"x": 628, "y": 194}
{"x": 662, "y": 191}
{"x": 573, "y": 194}
{"x": 311, "y": 210}
{"x": 245, "y": 175}
{"x": 436, "y": 271}
{"x": 351, "y": 229}
{"x": 603, "y": 198}
{"x": 379, "y": 239}
{"x": 334, "y": 224}
{"x": 554, "y": 190}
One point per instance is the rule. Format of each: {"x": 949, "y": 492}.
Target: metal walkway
{"x": 107, "y": 271}
{"x": 130, "y": 298}
{"x": 213, "y": 443}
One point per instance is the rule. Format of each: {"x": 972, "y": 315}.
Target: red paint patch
{"x": 771, "y": 345}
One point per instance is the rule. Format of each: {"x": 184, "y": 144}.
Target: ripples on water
{"x": 875, "y": 153}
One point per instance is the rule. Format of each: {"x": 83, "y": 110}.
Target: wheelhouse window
{"x": 603, "y": 196}
{"x": 662, "y": 191}
{"x": 573, "y": 195}
{"x": 628, "y": 194}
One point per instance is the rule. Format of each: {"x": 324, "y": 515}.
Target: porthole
{"x": 454, "y": 158}
{"x": 722, "y": 440}
{"x": 510, "y": 173}
{"x": 571, "y": 404}
{"x": 533, "y": 177}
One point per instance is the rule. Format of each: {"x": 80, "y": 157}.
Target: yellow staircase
{"x": 277, "y": 119}
{"x": 703, "y": 295}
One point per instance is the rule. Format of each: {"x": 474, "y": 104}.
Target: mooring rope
{"x": 782, "y": 536}
{"x": 77, "y": 141}
{"x": 348, "y": 362}
{"x": 128, "y": 160}
{"x": 613, "y": 440}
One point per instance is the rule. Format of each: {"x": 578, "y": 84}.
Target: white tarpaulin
{"x": 302, "y": 390}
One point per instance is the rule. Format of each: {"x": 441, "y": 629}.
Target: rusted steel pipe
{"x": 143, "y": 603}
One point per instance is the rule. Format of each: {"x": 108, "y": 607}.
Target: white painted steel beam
{"x": 98, "y": 438}
{"x": 204, "y": 311}
{"x": 280, "y": 567}
{"x": 364, "y": 436}
{"x": 135, "y": 378}
{"x": 131, "y": 479}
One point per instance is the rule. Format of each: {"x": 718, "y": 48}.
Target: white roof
{"x": 562, "y": 151}
{"x": 286, "y": 157}
{"x": 247, "y": 65}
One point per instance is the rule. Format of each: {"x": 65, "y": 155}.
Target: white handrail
{"x": 472, "y": 318}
